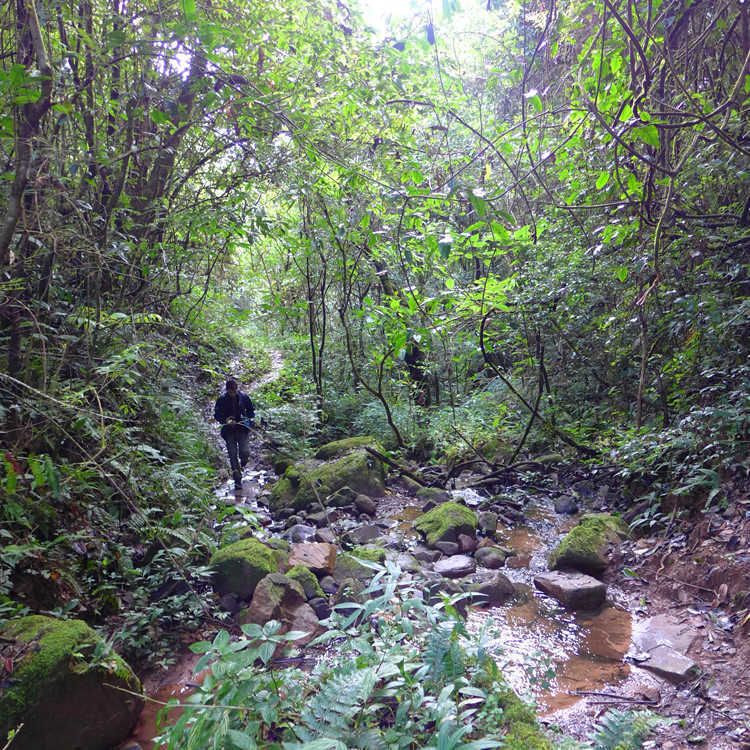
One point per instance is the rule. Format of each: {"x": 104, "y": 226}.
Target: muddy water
{"x": 547, "y": 652}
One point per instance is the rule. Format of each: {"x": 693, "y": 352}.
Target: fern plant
{"x": 618, "y": 730}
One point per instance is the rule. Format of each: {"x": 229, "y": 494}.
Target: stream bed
{"x": 550, "y": 655}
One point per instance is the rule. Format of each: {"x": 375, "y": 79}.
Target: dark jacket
{"x": 223, "y": 408}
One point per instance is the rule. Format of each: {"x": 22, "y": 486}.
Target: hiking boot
{"x": 237, "y": 476}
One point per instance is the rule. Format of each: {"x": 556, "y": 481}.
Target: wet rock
{"x": 487, "y": 521}
{"x": 429, "y": 555}
{"x": 586, "y": 546}
{"x": 300, "y": 532}
{"x": 363, "y": 534}
{"x": 294, "y": 520}
{"x": 278, "y": 597}
{"x": 572, "y": 589}
{"x": 566, "y": 505}
{"x": 494, "y": 592}
{"x": 350, "y": 591}
{"x": 445, "y": 522}
{"x": 448, "y": 548}
{"x": 325, "y": 535}
{"x": 456, "y": 566}
{"x": 467, "y": 543}
{"x": 321, "y": 607}
{"x": 329, "y": 585}
{"x": 490, "y": 557}
{"x": 238, "y": 567}
{"x": 365, "y": 504}
{"x": 317, "y": 556}
{"x": 61, "y": 700}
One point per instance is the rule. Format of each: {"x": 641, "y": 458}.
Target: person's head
{"x": 232, "y": 387}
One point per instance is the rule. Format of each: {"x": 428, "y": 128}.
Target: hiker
{"x": 234, "y": 411}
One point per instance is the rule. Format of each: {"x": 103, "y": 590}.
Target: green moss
{"x": 584, "y": 547}
{"x": 371, "y": 553}
{"x": 357, "y": 470}
{"x": 340, "y": 447}
{"x": 240, "y": 566}
{"x": 445, "y": 522}
{"x": 307, "y": 579}
{"x": 50, "y": 658}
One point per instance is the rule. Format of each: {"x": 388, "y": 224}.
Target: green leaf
{"x": 602, "y": 180}
{"x": 621, "y": 272}
{"x": 241, "y": 740}
{"x": 189, "y": 9}
{"x": 648, "y": 134}
{"x": 450, "y": 283}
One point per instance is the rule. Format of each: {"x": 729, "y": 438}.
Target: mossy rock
{"x": 307, "y": 579}
{"x": 445, "y": 522}
{"x": 339, "y": 448}
{"x": 62, "y": 696}
{"x": 348, "y": 566}
{"x": 357, "y": 470}
{"x": 371, "y": 553}
{"x": 434, "y": 494}
{"x": 240, "y": 566}
{"x": 585, "y": 546}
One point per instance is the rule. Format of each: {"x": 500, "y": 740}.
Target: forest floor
{"x": 700, "y": 576}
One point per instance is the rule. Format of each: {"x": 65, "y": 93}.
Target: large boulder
{"x": 586, "y": 545}
{"x": 64, "y": 684}
{"x": 278, "y": 597}
{"x": 317, "y": 556}
{"x": 238, "y": 567}
{"x": 446, "y": 522}
{"x": 302, "y": 484}
{"x": 341, "y": 447}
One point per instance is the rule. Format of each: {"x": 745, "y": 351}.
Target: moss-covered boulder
{"x": 302, "y": 483}
{"x": 66, "y": 686}
{"x": 585, "y": 546}
{"x": 341, "y": 447}
{"x": 240, "y": 566}
{"x": 307, "y": 579}
{"x": 445, "y": 522}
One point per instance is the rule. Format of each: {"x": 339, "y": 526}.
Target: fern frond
{"x": 625, "y": 730}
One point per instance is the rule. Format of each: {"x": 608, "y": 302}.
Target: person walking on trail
{"x": 234, "y": 411}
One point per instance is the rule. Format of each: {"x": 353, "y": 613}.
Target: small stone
{"x": 426, "y": 555}
{"x": 321, "y": 607}
{"x": 325, "y": 535}
{"x": 365, "y": 504}
{"x": 670, "y": 663}
{"x": 573, "y": 590}
{"x": 487, "y": 521}
{"x": 490, "y": 557}
{"x": 496, "y": 591}
{"x": 566, "y": 505}
{"x": 467, "y": 543}
{"x": 363, "y": 534}
{"x": 329, "y": 585}
{"x": 299, "y": 533}
{"x": 447, "y": 548}
{"x": 456, "y": 566}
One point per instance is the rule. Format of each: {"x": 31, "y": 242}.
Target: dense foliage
{"x": 506, "y": 227}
